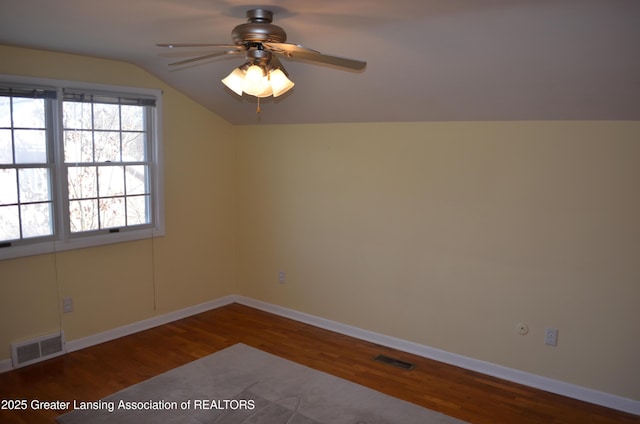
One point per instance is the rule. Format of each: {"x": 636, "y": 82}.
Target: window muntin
{"x": 79, "y": 167}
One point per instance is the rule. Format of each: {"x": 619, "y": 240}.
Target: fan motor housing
{"x": 259, "y": 29}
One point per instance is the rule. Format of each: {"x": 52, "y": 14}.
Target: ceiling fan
{"x": 262, "y": 75}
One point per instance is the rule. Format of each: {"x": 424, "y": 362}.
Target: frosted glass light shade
{"x": 255, "y": 82}
{"x": 235, "y": 81}
{"x": 267, "y": 92}
{"x": 280, "y": 83}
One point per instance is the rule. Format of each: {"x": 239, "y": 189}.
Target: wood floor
{"x": 98, "y": 371}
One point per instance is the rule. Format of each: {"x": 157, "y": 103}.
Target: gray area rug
{"x": 241, "y": 384}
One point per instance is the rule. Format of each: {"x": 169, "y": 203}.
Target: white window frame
{"x": 63, "y": 239}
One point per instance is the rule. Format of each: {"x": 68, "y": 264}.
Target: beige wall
{"x": 125, "y": 283}
{"x": 449, "y": 234}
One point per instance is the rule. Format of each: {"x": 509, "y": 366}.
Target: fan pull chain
{"x": 258, "y": 108}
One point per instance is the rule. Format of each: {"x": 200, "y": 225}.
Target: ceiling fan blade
{"x": 356, "y": 65}
{"x": 288, "y": 48}
{"x": 298, "y": 52}
{"x": 172, "y": 45}
{"x": 207, "y": 56}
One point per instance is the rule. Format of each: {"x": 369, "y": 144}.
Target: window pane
{"x": 31, "y": 146}
{"x": 134, "y": 147}
{"x": 82, "y": 182}
{"x": 36, "y": 220}
{"x": 107, "y": 146}
{"x": 34, "y": 185}
{"x": 78, "y": 146}
{"x": 137, "y": 179}
{"x": 132, "y": 118}
{"x": 106, "y": 117}
{"x": 137, "y": 210}
{"x": 9, "y": 223}
{"x": 8, "y": 187}
{"x": 83, "y": 215}
{"x": 77, "y": 115}
{"x": 6, "y": 152}
{"x": 28, "y": 113}
{"x": 111, "y": 181}
{"x": 5, "y": 111}
{"x": 112, "y": 212}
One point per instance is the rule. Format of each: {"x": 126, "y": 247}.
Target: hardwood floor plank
{"x": 100, "y": 370}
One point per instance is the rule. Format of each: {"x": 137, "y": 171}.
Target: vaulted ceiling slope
{"x": 429, "y": 60}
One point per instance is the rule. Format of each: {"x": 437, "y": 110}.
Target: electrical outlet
{"x": 551, "y": 337}
{"x": 281, "y": 277}
{"x": 67, "y": 305}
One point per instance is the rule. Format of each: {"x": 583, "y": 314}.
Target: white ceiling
{"x": 429, "y": 60}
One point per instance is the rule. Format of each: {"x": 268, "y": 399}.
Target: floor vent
{"x": 395, "y": 362}
{"x": 36, "y": 350}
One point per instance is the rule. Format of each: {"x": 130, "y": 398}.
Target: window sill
{"x": 15, "y": 252}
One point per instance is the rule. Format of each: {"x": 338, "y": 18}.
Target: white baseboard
{"x": 146, "y": 324}
{"x": 532, "y": 380}
{"x": 125, "y": 330}
{"x": 499, "y": 371}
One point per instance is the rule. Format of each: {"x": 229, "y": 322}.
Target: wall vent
{"x": 395, "y": 362}
{"x": 37, "y": 350}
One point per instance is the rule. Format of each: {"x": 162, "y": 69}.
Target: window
{"x": 79, "y": 166}
{"x": 106, "y": 161}
{"x": 26, "y": 164}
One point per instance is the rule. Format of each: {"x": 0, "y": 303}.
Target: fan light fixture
{"x": 259, "y": 81}
{"x": 263, "y": 75}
